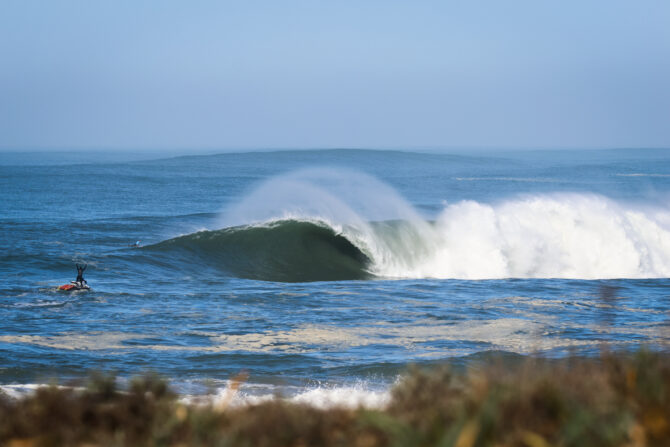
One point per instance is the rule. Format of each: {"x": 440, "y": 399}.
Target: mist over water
{"x": 336, "y": 195}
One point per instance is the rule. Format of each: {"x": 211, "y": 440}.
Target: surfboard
{"x": 74, "y": 286}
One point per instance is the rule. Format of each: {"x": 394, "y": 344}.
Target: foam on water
{"x": 550, "y": 236}
{"x": 229, "y": 396}
{"x": 562, "y": 235}
{"x": 359, "y": 395}
{"x": 19, "y": 391}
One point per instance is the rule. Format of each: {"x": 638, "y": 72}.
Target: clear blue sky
{"x": 276, "y": 74}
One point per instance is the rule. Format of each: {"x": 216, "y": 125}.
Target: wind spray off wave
{"x": 324, "y": 224}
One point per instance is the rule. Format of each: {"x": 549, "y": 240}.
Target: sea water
{"x": 323, "y": 274}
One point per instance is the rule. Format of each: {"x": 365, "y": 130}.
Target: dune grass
{"x": 615, "y": 400}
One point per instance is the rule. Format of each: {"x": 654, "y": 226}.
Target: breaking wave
{"x": 322, "y": 224}
{"x": 288, "y": 250}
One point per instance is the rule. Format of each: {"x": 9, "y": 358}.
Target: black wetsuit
{"x": 80, "y": 274}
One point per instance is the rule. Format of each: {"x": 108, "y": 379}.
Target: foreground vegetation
{"x": 616, "y": 400}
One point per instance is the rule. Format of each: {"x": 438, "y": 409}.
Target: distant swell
{"x": 289, "y": 251}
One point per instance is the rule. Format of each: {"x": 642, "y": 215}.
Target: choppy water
{"x": 325, "y": 273}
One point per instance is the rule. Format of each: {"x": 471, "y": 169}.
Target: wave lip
{"x": 284, "y": 250}
{"x": 335, "y": 224}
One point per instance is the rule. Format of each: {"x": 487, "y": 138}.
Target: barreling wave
{"x": 287, "y": 250}
{"x": 337, "y": 225}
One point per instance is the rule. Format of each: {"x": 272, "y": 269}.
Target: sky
{"x": 197, "y": 75}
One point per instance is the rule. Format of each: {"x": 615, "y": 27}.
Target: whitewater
{"x": 561, "y": 235}
{"x": 322, "y": 275}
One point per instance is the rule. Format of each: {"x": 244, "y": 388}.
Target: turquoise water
{"x": 326, "y": 270}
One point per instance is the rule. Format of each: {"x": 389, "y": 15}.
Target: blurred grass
{"x": 615, "y": 400}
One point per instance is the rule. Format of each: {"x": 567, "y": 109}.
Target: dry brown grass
{"x": 615, "y": 400}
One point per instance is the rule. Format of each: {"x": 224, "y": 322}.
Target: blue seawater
{"x": 326, "y": 270}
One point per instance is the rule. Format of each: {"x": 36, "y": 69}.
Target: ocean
{"x": 322, "y": 275}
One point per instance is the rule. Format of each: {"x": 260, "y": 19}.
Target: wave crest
{"x": 286, "y": 250}
{"x": 337, "y": 224}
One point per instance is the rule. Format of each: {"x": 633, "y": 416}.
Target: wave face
{"x": 322, "y": 224}
{"x": 289, "y": 250}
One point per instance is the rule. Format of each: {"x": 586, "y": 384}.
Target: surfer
{"x": 80, "y": 274}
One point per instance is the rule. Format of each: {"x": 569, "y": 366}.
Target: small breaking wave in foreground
{"x": 231, "y": 396}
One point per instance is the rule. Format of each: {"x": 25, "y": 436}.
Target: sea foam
{"x": 560, "y": 235}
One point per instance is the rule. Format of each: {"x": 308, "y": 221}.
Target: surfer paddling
{"x": 80, "y": 274}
